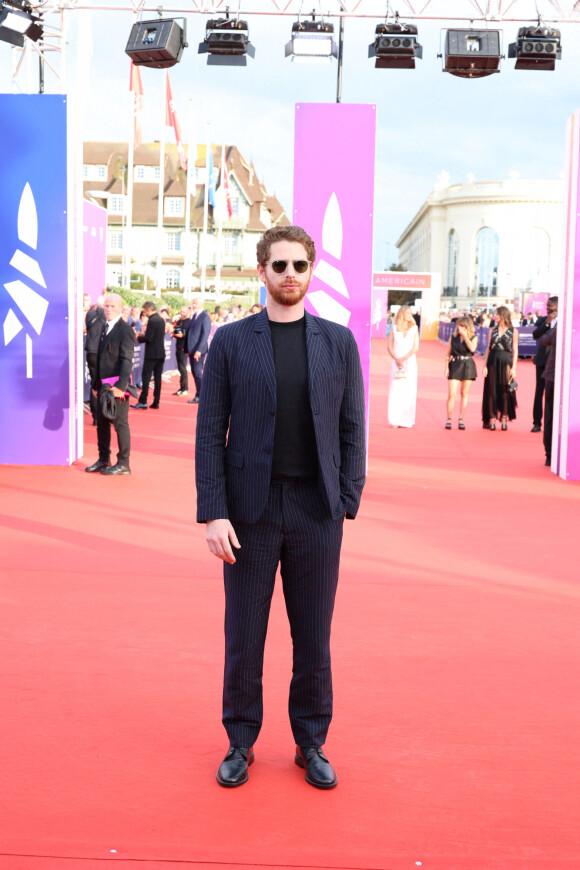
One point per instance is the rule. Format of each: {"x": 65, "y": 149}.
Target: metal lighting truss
{"x": 489, "y": 12}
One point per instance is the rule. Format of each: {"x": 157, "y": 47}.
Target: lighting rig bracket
{"x": 227, "y": 41}
{"x": 17, "y": 21}
{"x": 312, "y": 40}
{"x": 537, "y": 47}
{"x": 158, "y": 43}
{"x": 395, "y": 46}
{"x": 472, "y": 53}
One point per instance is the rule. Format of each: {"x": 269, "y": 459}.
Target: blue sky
{"x": 428, "y": 121}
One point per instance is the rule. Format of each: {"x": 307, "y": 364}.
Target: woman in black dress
{"x": 499, "y": 369}
{"x": 460, "y": 366}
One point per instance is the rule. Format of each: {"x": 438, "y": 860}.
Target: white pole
{"x": 160, "y": 237}
{"x": 220, "y": 204}
{"x": 127, "y": 240}
{"x": 205, "y": 211}
{"x": 191, "y": 158}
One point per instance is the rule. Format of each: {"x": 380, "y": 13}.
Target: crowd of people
{"x": 500, "y": 362}
{"x": 111, "y": 330}
{"x": 193, "y": 327}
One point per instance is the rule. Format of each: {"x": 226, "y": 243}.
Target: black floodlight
{"x": 395, "y": 46}
{"x": 227, "y": 42}
{"x": 17, "y": 22}
{"x": 158, "y": 43}
{"x": 536, "y": 48}
{"x": 472, "y": 54}
{"x": 312, "y": 42}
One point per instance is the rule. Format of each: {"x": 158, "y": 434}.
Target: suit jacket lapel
{"x": 315, "y": 350}
{"x": 263, "y": 348}
{"x": 108, "y": 334}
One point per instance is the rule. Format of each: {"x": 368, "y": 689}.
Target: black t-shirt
{"x": 295, "y": 455}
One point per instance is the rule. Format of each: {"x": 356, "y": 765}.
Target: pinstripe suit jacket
{"x": 237, "y": 410}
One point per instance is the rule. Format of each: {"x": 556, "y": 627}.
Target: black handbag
{"x": 108, "y": 403}
{"x": 512, "y": 386}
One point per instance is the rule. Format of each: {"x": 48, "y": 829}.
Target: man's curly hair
{"x": 284, "y": 234}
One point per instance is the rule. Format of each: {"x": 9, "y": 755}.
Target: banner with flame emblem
{"x": 334, "y": 179}
{"x": 34, "y": 335}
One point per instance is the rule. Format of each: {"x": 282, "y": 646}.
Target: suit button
{"x": 267, "y": 451}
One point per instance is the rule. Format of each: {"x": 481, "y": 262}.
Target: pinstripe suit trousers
{"x": 296, "y": 532}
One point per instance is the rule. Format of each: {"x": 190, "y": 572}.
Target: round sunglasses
{"x": 280, "y": 266}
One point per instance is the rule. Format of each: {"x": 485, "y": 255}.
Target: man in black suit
{"x": 280, "y": 462}
{"x": 94, "y": 322}
{"x": 154, "y": 356}
{"x": 180, "y": 334}
{"x": 197, "y": 336}
{"x": 543, "y": 324}
{"x": 114, "y": 360}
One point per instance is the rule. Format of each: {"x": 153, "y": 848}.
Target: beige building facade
{"x": 254, "y": 210}
{"x": 490, "y": 240}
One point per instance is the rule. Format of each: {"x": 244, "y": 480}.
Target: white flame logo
{"x": 30, "y": 303}
{"x": 325, "y": 304}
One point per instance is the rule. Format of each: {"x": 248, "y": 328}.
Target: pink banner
{"x": 535, "y": 302}
{"x": 402, "y": 280}
{"x": 94, "y": 249}
{"x": 566, "y": 433}
{"x": 334, "y": 176}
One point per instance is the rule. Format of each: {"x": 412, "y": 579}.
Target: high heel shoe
{"x": 492, "y": 427}
{"x": 448, "y": 423}
{"x": 461, "y": 424}
{"x": 503, "y": 426}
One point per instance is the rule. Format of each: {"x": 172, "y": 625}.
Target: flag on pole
{"x": 210, "y": 177}
{"x": 136, "y": 88}
{"x": 225, "y": 183}
{"x": 171, "y": 121}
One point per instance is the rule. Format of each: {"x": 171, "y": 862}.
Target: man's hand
{"x": 197, "y": 355}
{"x": 95, "y": 393}
{"x": 220, "y": 535}
{"x": 118, "y": 394}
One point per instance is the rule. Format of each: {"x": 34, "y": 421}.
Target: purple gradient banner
{"x": 334, "y": 179}
{"x": 34, "y": 307}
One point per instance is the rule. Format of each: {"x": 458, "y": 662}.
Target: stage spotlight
{"x": 227, "y": 42}
{"x": 17, "y": 21}
{"x": 312, "y": 42}
{"x": 536, "y": 48}
{"x": 158, "y": 43}
{"x": 395, "y": 46}
{"x": 472, "y": 54}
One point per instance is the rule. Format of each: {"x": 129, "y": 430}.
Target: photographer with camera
{"x": 180, "y": 327}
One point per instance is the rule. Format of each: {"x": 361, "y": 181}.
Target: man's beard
{"x": 288, "y": 295}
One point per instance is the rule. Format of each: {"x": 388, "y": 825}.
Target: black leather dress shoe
{"x": 154, "y": 406}
{"x": 319, "y": 771}
{"x": 116, "y": 469}
{"x": 233, "y": 770}
{"x": 536, "y": 428}
{"x": 97, "y": 466}
{"x": 193, "y": 401}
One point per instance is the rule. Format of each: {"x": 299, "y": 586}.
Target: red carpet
{"x": 455, "y": 657}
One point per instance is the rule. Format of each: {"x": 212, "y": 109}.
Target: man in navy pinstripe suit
{"x": 280, "y": 462}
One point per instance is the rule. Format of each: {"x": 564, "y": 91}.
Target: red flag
{"x": 136, "y": 88}
{"x": 225, "y": 183}
{"x": 171, "y": 121}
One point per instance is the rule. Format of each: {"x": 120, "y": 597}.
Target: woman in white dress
{"x": 403, "y": 344}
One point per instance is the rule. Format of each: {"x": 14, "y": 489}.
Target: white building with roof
{"x": 254, "y": 210}
{"x": 490, "y": 240}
